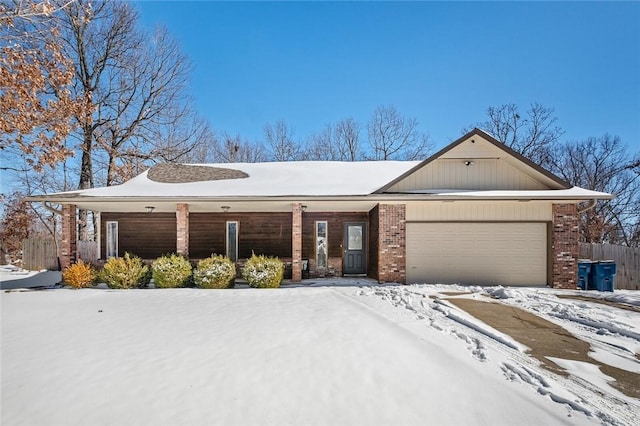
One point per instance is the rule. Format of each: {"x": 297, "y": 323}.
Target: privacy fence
{"x": 627, "y": 262}
{"x": 39, "y": 253}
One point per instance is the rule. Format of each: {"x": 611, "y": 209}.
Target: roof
{"x": 294, "y": 178}
{"x": 360, "y": 181}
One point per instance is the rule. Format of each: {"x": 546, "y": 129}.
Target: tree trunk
{"x": 86, "y": 182}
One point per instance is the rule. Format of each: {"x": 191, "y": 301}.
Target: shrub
{"x": 214, "y": 272}
{"x": 79, "y": 275}
{"x": 263, "y": 272}
{"x": 171, "y": 271}
{"x": 125, "y": 272}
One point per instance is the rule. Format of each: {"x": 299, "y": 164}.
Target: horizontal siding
{"x": 259, "y": 233}
{"x": 335, "y": 231}
{"x": 148, "y": 235}
{"x": 483, "y": 174}
{"x": 479, "y": 211}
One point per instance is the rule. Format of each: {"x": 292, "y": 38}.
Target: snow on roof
{"x": 304, "y": 178}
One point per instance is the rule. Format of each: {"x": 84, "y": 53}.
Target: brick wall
{"x": 392, "y": 243}
{"x": 296, "y": 243}
{"x": 182, "y": 229}
{"x": 69, "y": 235}
{"x": 334, "y": 268}
{"x": 565, "y": 249}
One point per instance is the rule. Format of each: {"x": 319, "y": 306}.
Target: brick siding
{"x": 296, "y": 243}
{"x": 565, "y": 249}
{"x": 182, "y": 229}
{"x": 392, "y": 243}
{"x": 69, "y": 235}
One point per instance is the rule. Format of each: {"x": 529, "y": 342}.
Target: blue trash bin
{"x": 603, "y": 275}
{"x": 584, "y": 270}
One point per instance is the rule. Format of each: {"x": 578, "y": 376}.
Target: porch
{"x": 329, "y": 243}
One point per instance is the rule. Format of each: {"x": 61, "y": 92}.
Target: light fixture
{"x": 304, "y": 208}
{"x": 149, "y": 209}
{"x": 225, "y": 208}
{"x": 468, "y": 163}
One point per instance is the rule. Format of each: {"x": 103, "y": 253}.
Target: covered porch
{"x": 320, "y": 238}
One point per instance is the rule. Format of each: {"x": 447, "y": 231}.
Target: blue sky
{"x": 444, "y": 63}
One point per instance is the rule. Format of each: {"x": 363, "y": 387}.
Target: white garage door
{"x": 510, "y": 254}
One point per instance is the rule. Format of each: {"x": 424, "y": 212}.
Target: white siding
{"x": 475, "y": 166}
{"x": 483, "y": 174}
{"x": 509, "y": 254}
{"x": 512, "y": 211}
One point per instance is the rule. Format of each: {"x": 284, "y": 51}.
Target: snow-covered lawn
{"x": 348, "y": 354}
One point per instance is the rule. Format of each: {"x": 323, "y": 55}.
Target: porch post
{"x": 565, "y": 246}
{"x": 69, "y": 235}
{"x": 296, "y": 243}
{"x": 182, "y": 229}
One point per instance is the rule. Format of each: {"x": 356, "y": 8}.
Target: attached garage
{"x": 482, "y": 253}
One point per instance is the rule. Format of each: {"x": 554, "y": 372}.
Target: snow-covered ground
{"x": 353, "y": 353}
{"x": 12, "y": 277}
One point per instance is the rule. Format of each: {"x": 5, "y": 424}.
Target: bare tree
{"x": 279, "y": 138}
{"x": 339, "y": 142}
{"x": 393, "y": 136}
{"x": 532, "y": 134}
{"x": 603, "y": 164}
{"x": 136, "y": 84}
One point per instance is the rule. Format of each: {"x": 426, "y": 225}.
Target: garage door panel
{"x": 477, "y": 253}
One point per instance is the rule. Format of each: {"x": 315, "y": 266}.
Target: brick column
{"x": 182, "y": 229}
{"x": 296, "y": 243}
{"x": 565, "y": 247}
{"x": 392, "y": 237}
{"x": 69, "y": 235}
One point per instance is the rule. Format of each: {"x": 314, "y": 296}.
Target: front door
{"x": 355, "y": 244}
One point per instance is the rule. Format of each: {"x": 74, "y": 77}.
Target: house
{"x": 476, "y": 212}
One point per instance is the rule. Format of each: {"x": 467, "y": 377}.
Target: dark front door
{"x": 355, "y": 245}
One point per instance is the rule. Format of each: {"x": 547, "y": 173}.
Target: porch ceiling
{"x": 234, "y": 206}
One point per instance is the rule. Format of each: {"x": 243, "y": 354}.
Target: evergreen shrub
{"x": 171, "y": 271}
{"x": 263, "y": 272}
{"x": 125, "y": 272}
{"x": 79, "y": 275}
{"x": 216, "y": 271}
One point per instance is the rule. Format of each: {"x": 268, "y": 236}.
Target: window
{"x": 321, "y": 245}
{"x": 112, "y": 239}
{"x": 232, "y": 241}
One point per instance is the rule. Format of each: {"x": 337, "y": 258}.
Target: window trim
{"x": 109, "y": 239}
{"x": 326, "y": 239}
{"x": 226, "y": 241}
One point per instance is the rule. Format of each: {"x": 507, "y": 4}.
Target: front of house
{"x": 476, "y": 212}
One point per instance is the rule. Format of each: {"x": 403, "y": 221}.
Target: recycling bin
{"x": 584, "y": 271}
{"x": 603, "y": 275}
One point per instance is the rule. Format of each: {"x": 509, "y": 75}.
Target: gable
{"x": 476, "y": 162}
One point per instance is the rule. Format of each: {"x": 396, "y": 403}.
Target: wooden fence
{"x": 627, "y": 262}
{"x": 39, "y": 253}
{"x": 87, "y": 251}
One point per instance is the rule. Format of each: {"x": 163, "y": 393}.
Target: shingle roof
{"x": 185, "y": 173}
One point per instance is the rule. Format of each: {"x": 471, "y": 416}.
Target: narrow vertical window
{"x": 232, "y": 241}
{"x": 321, "y": 245}
{"x": 112, "y": 239}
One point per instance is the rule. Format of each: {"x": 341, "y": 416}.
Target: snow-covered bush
{"x": 171, "y": 271}
{"x": 263, "y": 272}
{"x": 125, "y": 272}
{"x": 79, "y": 275}
{"x": 216, "y": 271}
